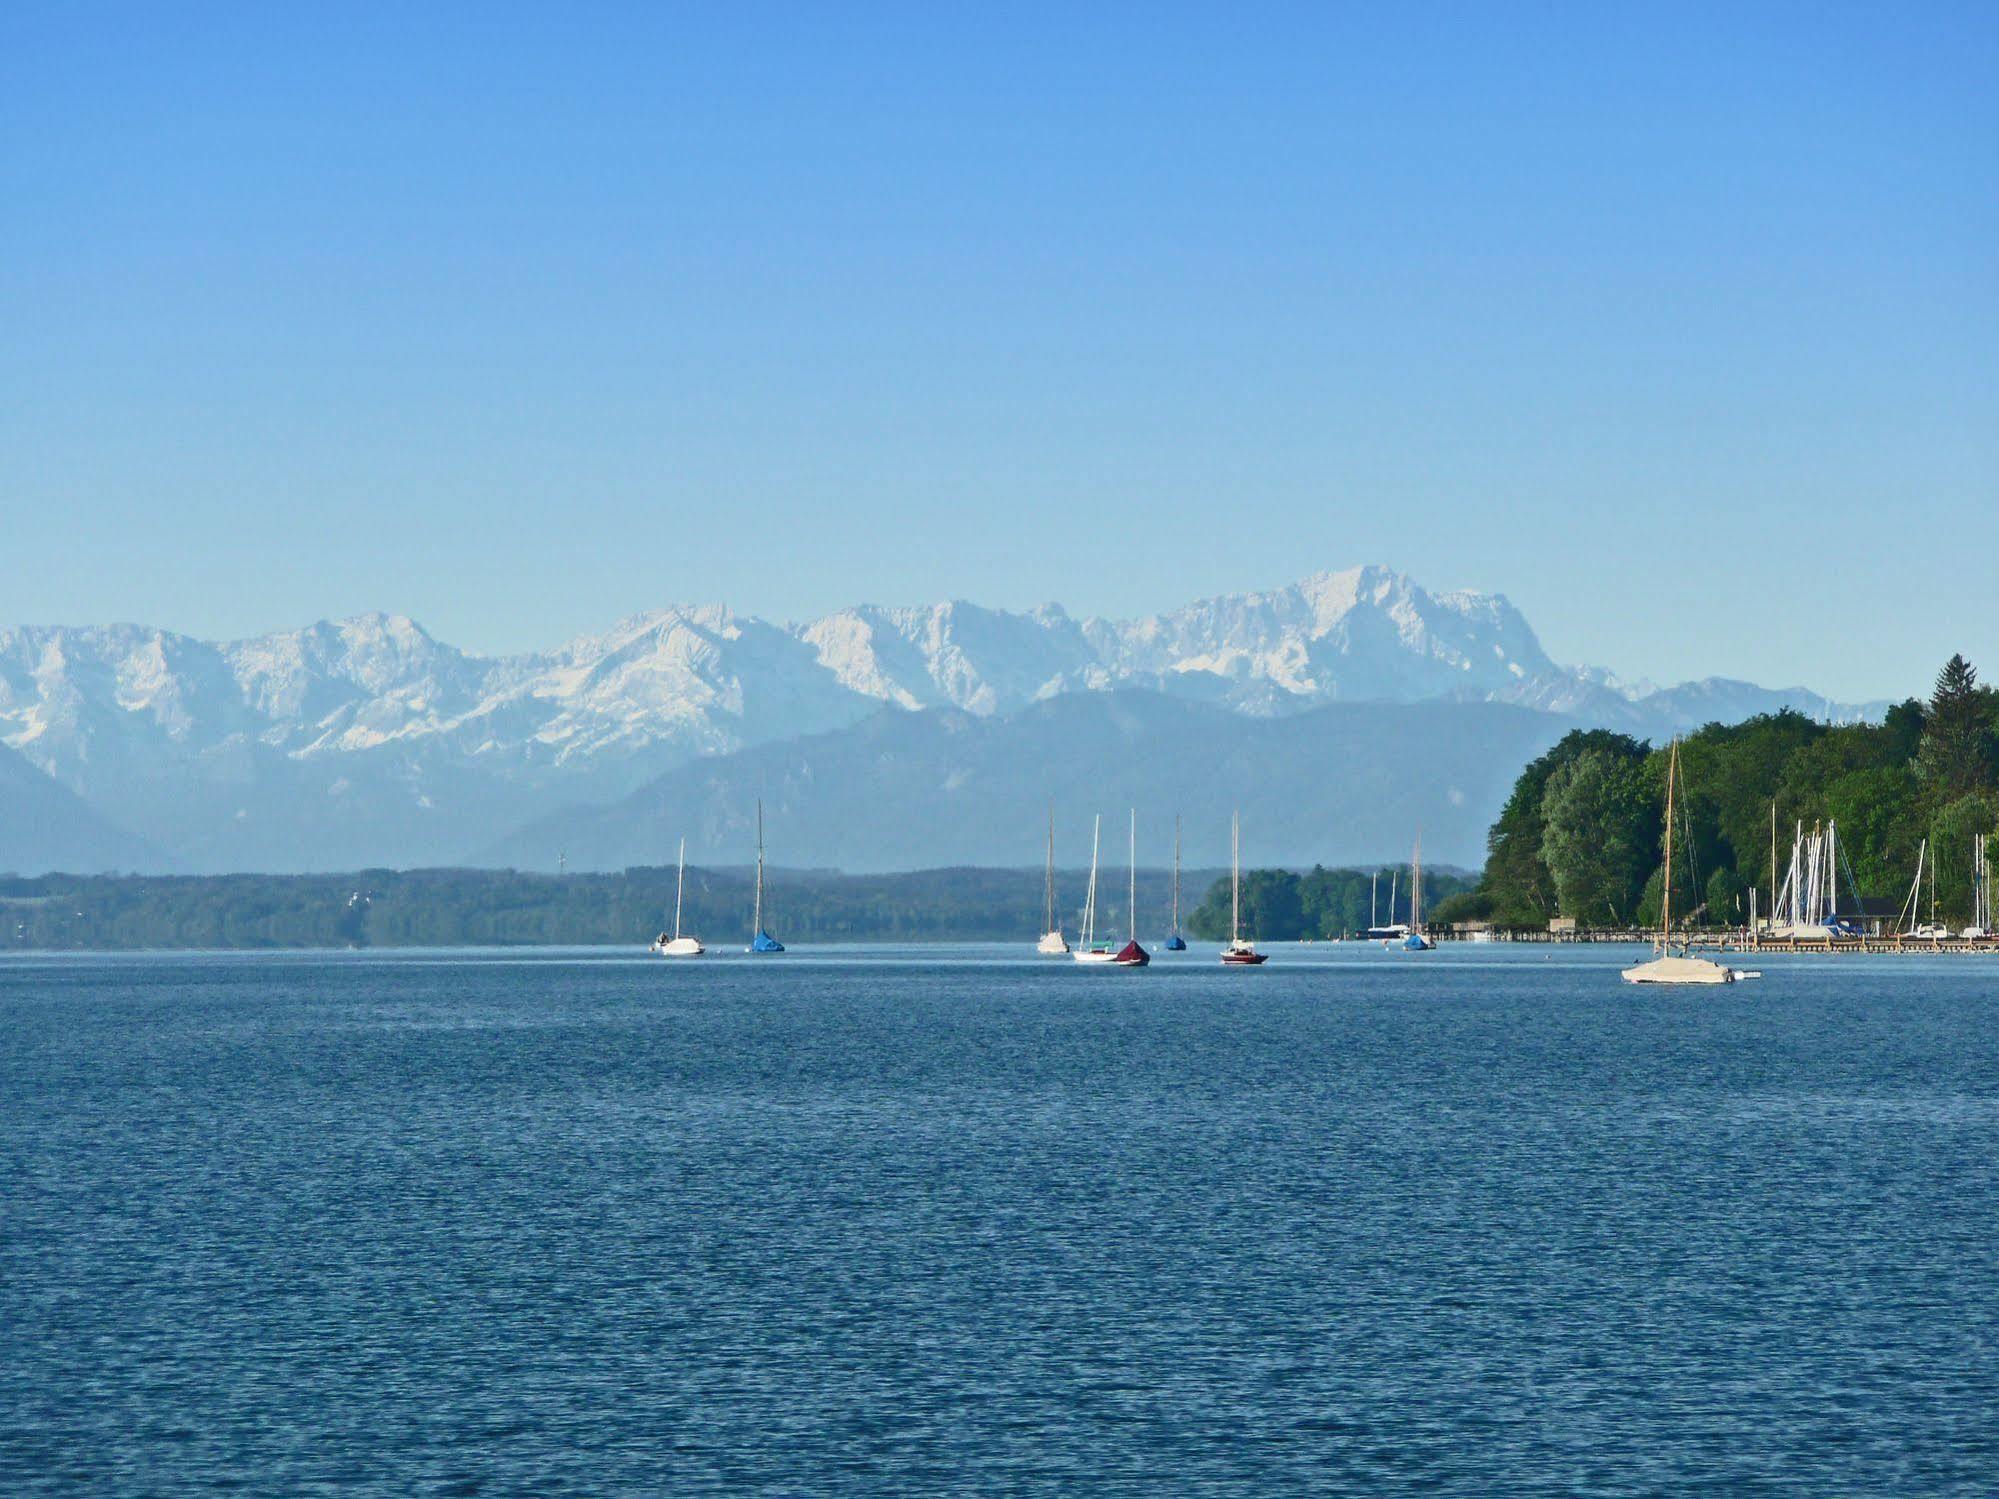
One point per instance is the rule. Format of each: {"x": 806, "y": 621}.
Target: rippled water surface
{"x": 1481, "y": 1221}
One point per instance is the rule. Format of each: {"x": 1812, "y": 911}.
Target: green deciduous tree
{"x": 1602, "y": 829}
{"x": 1726, "y": 898}
{"x": 1880, "y": 817}
{"x": 1951, "y": 833}
{"x": 1518, "y": 885}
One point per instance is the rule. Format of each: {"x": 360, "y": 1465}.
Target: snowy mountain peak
{"x": 166, "y": 733}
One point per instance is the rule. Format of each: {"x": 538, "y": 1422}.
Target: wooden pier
{"x": 1745, "y": 942}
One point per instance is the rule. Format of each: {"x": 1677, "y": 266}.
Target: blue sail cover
{"x": 765, "y": 942}
{"x": 1173, "y": 944}
{"x": 1417, "y": 942}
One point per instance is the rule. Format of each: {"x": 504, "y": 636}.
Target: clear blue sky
{"x": 1679, "y": 324}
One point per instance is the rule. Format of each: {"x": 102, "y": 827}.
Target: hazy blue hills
{"x": 1344, "y": 783}
{"x": 46, "y": 826}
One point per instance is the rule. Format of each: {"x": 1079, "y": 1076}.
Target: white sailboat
{"x": 1238, "y": 954}
{"x": 1391, "y": 932}
{"x": 677, "y": 946}
{"x": 1683, "y": 968}
{"x": 1981, "y": 891}
{"x": 1088, "y": 949}
{"x": 1052, "y": 944}
{"x": 1910, "y": 922}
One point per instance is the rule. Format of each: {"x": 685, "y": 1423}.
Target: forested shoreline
{"x": 479, "y": 907}
{"x": 1581, "y": 835}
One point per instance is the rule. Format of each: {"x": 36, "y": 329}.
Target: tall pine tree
{"x": 1956, "y": 757}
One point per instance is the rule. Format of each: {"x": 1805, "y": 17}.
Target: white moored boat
{"x": 1088, "y": 949}
{"x": 1682, "y": 970}
{"x": 1669, "y": 967}
{"x": 1052, "y": 944}
{"x": 677, "y": 946}
{"x": 1238, "y": 954}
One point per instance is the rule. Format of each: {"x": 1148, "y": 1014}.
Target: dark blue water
{"x": 1484, "y": 1222}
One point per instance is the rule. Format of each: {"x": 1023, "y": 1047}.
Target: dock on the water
{"x": 1743, "y": 941}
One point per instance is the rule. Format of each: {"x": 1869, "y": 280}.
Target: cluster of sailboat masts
{"x": 1239, "y": 951}
{"x": 1807, "y": 903}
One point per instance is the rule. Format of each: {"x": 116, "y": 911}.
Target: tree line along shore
{"x": 1580, "y": 837}
{"x": 383, "y": 908}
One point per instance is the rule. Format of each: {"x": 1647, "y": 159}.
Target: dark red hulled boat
{"x": 1131, "y": 955}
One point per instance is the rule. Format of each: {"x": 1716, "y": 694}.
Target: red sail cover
{"x": 1132, "y": 955}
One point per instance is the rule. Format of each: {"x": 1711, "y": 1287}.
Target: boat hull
{"x": 679, "y": 947}
{"x": 1680, "y": 971}
{"x": 1244, "y": 959}
{"x": 1052, "y": 945}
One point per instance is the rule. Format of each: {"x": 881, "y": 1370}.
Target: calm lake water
{"x": 1483, "y": 1221}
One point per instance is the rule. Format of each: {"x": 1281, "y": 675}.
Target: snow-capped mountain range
{"x": 368, "y": 741}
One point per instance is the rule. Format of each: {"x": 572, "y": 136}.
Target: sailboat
{"x": 1391, "y": 932}
{"x": 1052, "y": 944}
{"x": 1088, "y": 949}
{"x": 1910, "y": 922}
{"x": 1176, "y": 943}
{"x": 1131, "y": 955}
{"x": 677, "y": 946}
{"x": 1414, "y": 940}
{"x": 1666, "y": 968}
{"x": 763, "y": 941}
{"x": 1981, "y": 891}
{"x": 1238, "y": 954}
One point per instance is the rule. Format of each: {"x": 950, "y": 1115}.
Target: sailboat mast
{"x": 1913, "y": 906}
{"x": 679, "y": 884}
{"x": 758, "y": 921}
{"x": 1666, "y": 883}
{"x": 1131, "y": 897}
{"x": 1176, "y": 873}
{"x": 1773, "y": 856}
{"x": 1235, "y": 876}
{"x": 1050, "y": 900}
{"x": 1090, "y": 901}
{"x": 1416, "y": 884}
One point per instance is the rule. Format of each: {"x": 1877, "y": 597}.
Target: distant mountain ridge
{"x": 367, "y": 740}
{"x": 1338, "y": 783}
{"x": 44, "y": 826}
